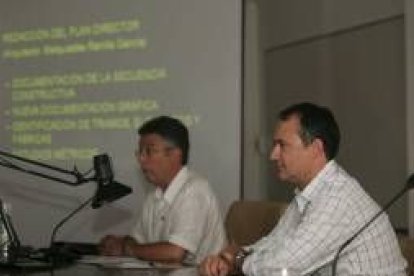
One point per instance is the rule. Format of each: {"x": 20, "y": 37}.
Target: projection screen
{"x": 77, "y": 79}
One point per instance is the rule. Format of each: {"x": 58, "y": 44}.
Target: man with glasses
{"x": 180, "y": 220}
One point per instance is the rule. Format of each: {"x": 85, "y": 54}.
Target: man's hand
{"x": 111, "y": 245}
{"x": 222, "y": 264}
{"x": 214, "y": 266}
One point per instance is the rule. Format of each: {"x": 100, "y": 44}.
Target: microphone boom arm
{"x": 408, "y": 186}
{"x": 108, "y": 190}
{"x": 78, "y": 177}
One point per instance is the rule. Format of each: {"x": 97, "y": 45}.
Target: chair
{"x": 407, "y": 248}
{"x": 248, "y": 221}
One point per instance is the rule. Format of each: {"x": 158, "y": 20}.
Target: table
{"x": 94, "y": 270}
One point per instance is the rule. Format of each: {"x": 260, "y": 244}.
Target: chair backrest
{"x": 407, "y": 248}
{"x": 248, "y": 221}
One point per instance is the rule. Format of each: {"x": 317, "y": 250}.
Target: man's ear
{"x": 318, "y": 145}
{"x": 176, "y": 153}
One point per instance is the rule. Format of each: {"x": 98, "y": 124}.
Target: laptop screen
{"x": 9, "y": 235}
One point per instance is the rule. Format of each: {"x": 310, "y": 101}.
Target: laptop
{"x": 12, "y": 253}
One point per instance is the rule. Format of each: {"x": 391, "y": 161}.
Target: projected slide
{"x": 54, "y": 101}
{"x": 53, "y": 98}
{"x": 77, "y": 78}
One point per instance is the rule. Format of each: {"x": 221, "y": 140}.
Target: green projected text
{"x": 71, "y": 40}
{"x": 56, "y": 113}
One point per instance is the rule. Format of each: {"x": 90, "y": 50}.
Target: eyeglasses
{"x": 151, "y": 151}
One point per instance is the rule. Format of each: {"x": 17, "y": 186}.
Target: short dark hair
{"x": 172, "y": 130}
{"x": 316, "y": 122}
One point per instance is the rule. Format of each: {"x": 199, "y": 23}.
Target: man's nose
{"x": 142, "y": 158}
{"x": 274, "y": 153}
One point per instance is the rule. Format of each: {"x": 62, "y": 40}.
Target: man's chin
{"x": 148, "y": 177}
{"x": 280, "y": 175}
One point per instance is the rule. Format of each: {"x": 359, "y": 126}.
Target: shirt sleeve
{"x": 189, "y": 218}
{"x": 138, "y": 231}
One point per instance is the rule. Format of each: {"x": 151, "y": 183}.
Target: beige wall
{"x": 286, "y": 21}
{"x": 350, "y": 56}
{"x": 409, "y": 32}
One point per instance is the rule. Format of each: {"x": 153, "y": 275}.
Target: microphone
{"x": 409, "y": 184}
{"x": 108, "y": 190}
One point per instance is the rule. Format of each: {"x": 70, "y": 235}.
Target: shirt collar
{"x": 303, "y": 198}
{"x": 174, "y": 187}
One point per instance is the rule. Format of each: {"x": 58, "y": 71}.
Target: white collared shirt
{"x": 331, "y": 208}
{"x": 186, "y": 214}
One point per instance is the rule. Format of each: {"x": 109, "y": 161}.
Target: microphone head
{"x": 103, "y": 168}
{"x": 108, "y": 190}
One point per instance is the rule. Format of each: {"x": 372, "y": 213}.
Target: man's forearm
{"x": 158, "y": 252}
